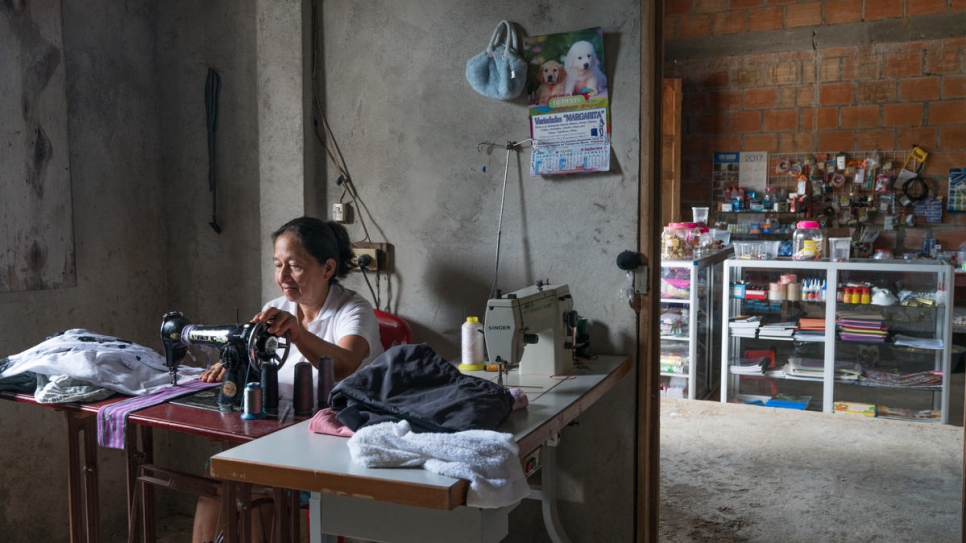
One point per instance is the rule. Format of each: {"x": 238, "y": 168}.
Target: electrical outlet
{"x": 342, "y": 213}
{"x": 380, "y": 255}
{"x": 531, "y": 462}
{"x": 372, "y": 254}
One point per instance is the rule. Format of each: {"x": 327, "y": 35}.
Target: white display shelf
{"x": 925, "y": 321}
{"x": 701, "y": 342}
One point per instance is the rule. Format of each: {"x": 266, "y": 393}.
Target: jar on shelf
{"x": 808, "y": 241}
{"x": 705, "y": 243}
{"x": 674, "y": 242}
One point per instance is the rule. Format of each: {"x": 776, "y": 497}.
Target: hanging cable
{"x": 375, "y": 297}
{"x": 915, "y": 189}
{"x": 325, "y": 136}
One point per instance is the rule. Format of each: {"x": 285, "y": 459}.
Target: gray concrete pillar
{"x": 283, "y": 83}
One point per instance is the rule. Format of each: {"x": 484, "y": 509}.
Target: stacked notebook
{"x": 743, "y": 326}
{"x": 750, "y": 366}
{"x": 814, "y": 368}
{"x": 861, "y": 327}
{"x": 810, "y": 329}
{"x": 778, "y": 330}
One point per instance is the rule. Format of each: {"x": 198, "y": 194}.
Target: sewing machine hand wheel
{"x": 266, "y": 348}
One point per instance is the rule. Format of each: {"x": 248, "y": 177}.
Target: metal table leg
{"x": 548, "y": 492}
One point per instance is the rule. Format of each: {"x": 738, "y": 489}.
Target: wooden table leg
{"x": 286, "y": 515}
{"x": 82, "y": 483}
{"x": 237, "y": 511}
{"x": 140, "y": 452}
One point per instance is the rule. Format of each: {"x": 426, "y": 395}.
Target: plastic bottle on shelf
{"x": 866, "y": 298}
{"x": 768, "y": 202}
{"x": 847, "y": 297}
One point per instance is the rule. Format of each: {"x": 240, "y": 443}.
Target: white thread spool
{"x": 471, "y": 358}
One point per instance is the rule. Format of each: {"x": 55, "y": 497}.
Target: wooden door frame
{"x": 648, "y": 404}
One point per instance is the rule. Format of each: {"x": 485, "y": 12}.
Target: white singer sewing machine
{"x": 533, "y": 326}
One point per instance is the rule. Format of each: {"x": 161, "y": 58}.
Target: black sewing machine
{"x": 243, "y": 349}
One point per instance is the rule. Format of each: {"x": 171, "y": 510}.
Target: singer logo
{"x": 502, "y": 327}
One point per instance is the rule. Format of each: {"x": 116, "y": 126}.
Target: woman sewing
{"x": 319, "y": 317}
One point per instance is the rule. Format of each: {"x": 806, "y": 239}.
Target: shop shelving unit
{"x": 698, "y": 340}
{"x": 834, "y": 391}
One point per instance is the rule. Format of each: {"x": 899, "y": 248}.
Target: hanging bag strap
{"x": 512, "y": 40}
{"x": 504, "y": 34}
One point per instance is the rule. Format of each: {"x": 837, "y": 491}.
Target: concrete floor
{"x": 743, "y": 474}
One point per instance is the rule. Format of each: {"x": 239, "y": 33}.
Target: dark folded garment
{"x": 413, "y": 383}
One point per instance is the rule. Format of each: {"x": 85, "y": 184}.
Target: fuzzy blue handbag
{"x": 499, "y": 71}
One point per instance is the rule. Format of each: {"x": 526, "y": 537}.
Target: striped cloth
{"x": 112, "y": 418}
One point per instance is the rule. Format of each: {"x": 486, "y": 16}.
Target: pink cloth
{"x": 324, "y": 422}
{"x": 520, "y": 399}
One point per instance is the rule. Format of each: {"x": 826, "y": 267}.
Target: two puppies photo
{"x": 565, "y": 64}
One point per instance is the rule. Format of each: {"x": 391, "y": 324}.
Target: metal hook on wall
{"x": 509, "y": 144}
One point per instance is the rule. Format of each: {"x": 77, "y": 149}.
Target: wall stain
{"x": 40, "y": 152}
{"x": 37, "y": 257}
{"x": 40, "y": 61}
{"x": 39, "y": 64}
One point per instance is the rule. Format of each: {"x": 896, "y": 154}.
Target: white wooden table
{"x": 411, "y": 505}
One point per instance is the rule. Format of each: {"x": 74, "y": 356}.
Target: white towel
{"x": 487, "y": 459}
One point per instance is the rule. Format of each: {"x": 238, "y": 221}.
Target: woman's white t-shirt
{"x": 345, "y": 313}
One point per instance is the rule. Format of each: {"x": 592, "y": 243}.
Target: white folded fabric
{"x": 97, "y": 360}
{"x": 487, "y": 459}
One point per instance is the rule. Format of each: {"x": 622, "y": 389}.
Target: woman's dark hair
{"x": 323, "y": 240}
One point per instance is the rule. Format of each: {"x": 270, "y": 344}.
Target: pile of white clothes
{"x": 81, "y": 366}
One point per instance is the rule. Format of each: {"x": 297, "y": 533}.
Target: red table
{"x": 82, "y": 480}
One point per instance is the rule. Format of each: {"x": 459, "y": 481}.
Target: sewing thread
{"x": 326, "y": 380}
{"x": 270, "y": 388}
{"x": 302, "y": 397}
{"x": 252, "y": 402}
{"x": 471, "y": 354}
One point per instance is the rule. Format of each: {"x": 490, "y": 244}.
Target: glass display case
{"x": 869, "y": 338}
{"x": 690, "y": 296}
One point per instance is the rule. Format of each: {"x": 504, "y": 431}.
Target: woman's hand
{"x": 280, "y": 323}
{"x": 214, "y": 374}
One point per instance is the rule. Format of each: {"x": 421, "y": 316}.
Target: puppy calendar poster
{"x": 569, "y": 108}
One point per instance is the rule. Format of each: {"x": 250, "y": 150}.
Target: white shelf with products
{"x": 690, "y": 295}
{"x": 886, "y": 355}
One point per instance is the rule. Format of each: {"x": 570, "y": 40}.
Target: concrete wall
{"x": 113, "y": 109}
{"x": 408, "y": 124}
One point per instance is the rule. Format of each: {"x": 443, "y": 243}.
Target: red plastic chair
{"x": 393, "y": 330}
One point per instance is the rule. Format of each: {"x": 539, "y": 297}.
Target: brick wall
{"x": 821, "y": 76}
